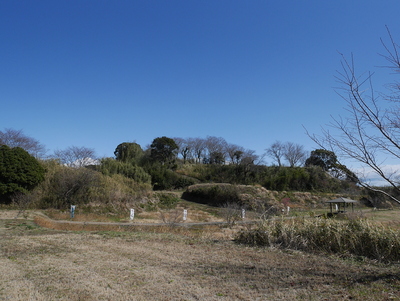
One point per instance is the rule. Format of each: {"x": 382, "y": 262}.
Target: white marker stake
{"x": 132, "y": 214}
{"x": 243, "y": 213}
{"x": 184, "y": 214}
{"x": 288, "y": 209}
{"x": 72, "y": 211}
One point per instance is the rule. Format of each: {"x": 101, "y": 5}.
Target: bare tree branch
{"x": 370, "y": 133}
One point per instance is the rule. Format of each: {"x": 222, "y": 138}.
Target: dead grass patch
{"x": 170, "y": 266}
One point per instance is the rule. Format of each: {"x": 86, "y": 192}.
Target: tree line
{"x": 168, "y": 163}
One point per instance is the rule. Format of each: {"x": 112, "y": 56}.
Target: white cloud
{"x": 371, "y": 177}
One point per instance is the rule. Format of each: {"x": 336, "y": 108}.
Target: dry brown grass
{"x": 141, "y": 216}
{"x": 177, "y": 264}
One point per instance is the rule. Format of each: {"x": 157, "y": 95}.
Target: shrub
{"x": 68, "y": 186}
{"x": 167, "y": 200}
{"x": 213, "y": 194}
{"x": 110, "y": 167}
{"x": 19, "y": 172}
{"x": 65, "y": 186}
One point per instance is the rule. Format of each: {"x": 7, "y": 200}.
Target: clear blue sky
{"x": 97, "y": 73}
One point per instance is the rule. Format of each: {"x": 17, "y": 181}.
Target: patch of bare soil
{"x": 18, "y": 214}
{"x": 41, "y": 264}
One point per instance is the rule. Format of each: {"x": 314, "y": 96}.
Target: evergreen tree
{"x": 19, "y": 172}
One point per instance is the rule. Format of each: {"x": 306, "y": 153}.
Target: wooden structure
{"x": 341, "y": 204}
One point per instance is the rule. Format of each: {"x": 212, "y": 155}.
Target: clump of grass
{"x": 167, "y": 200}
{"x": 358, "y": 237}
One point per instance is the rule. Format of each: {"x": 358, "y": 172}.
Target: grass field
{"x": 43, "y": 264}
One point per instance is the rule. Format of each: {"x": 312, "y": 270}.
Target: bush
{"x": 213, "y": 194}
{"x": 110, "y": 167}
{"x": 68, "y": 186}
{"x": 19, "y": 172}
{"x": 65, "y": 186}
{"x": 167, "y": 200}
{"x": 356, "y": 237}
{"x": 163, "y": 178}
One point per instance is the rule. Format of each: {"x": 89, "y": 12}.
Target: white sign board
{"x": 72, "y": 211}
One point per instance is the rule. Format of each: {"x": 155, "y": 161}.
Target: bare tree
{"x": 197, "y": 147}
{"x": 235, "y": 152}
{"x": 216, "y": 150}
{"x": 184, "y": 148}
{"x": 16, "y": 138}
{"x": 370, "y": 134}
{"x": 72, "y": 186}
{"x": 249, "y": 157}
{"x": 215, "y": 144}
{"x": 75, "y": 156}
{"x": 276, "y": 152}
{"x": 232, "y": 213}
{"x": 294, "y": 154}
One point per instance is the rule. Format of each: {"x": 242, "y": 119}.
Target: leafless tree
{"x": 184, "y": 148}
{"x": 215, "y": 144}
{"x": 234, "y": 152}
{"x": 249, "y": 157}
{"x": 16, "y": 138}
{"x": 370, "y": 133}
{"x": 232, "y": 213}
{"x": 72, "y": 186}
{"x": 75, "y": 156}
{"x": 197, "y": 147}
{"x": 171, "y": 217}
{"x": 276, "y": 152}
{"x": 294, "y": 154}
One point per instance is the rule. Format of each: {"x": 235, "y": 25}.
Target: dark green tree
{"x": 327, "y": 160}
{"x": 322, "y": 158}
{"x": 163, "y": 150}
{"x": 128, "y": 152}
{"x": 19, "y": 172}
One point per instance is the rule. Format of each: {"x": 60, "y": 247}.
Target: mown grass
{"x": 111, "y": 265}
{"x": 177, "y": 263}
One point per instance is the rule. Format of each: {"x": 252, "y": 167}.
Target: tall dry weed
{"x": 357, "y": 237}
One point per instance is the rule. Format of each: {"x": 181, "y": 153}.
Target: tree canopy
{"x": 323, "y": 158}
{"x": 163, "y": 150}
{"x": 19, "y": 172}
{"x": 128, "y": 152}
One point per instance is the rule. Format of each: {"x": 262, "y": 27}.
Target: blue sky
{"x": 99, "y": 73}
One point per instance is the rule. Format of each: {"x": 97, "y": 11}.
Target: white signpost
{"x": 132, "y": 216}
{"x": 243, "y": 213}
{"x": 72, "y": 211}
{"x": 184, "y": 214}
